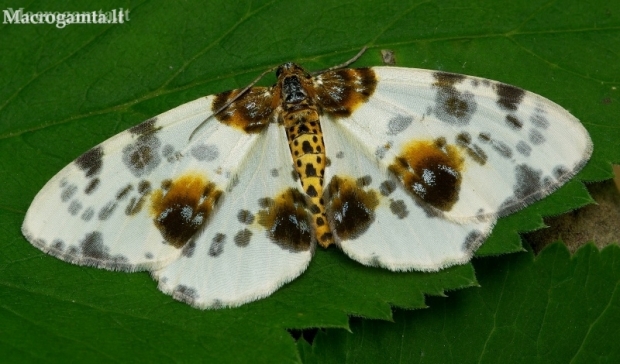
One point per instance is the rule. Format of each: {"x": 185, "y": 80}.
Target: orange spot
{"x": 351, "y": 209}
{"x": 431, "y": 170}
{"x": 251, "y": 112}
{"x": 342, "y": 91}
{"x": 286, "y": 220}
{"x": 183, "y": 206}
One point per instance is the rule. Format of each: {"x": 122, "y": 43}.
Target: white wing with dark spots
{"x": 260, "y": 238}
{"x": 470, "y": 148}
{"x": 377, "y": 222}
{"x": 99, "y": 210}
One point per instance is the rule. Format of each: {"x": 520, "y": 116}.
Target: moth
{"x": 223, "y": 199}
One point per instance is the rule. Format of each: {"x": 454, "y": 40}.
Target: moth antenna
{"x": 229, "y": 102}
{"x": 342, "y": 65}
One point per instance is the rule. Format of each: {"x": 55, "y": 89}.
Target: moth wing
{"x": 377, "y": 222}
{"x": 260, "y": 238}
{"x": 101, "y": 209}
{"x": 466, "y": 147}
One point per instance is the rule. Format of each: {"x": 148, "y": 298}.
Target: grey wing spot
{"x": 95, "y": 253}
{"x": 548, "y": 183}
{"x": 216, "y": 304}
{"x": 528, "y": 188}
{"x": 245, "y": 217}
{"x": 91, "y": 161}
{"x": 508, "y": 97}
{"x": 185, "y": 294}
{"x": 144, "y": 187}
{"x": 455, "y": 107}
{"x": 92, "y": 246}
{"x": 40, "y": 243}
{"x": 463, "y": 138}
{"x": 68, "y": 192}
{"x": 167, "y": 151}
{"x": 92, "y": 186}
{"x": 88, "y": 214}
{"x": 536, "y": 137}
{"x": 124, "y": 192}
{"x": 205, "y": 153}
{"x": 74, "y": 207}
{"x": 170, "y": 154}
{"x": 561, "y": 173}
{"x": 473, "y": 150}
{"x": 524, "y": 148}
{"x": 217, "y": 245}
{"x": 539, "y": 121}
{"x": 382, "y": 150}
{"x": 188, "y": 249}
{"x": 474, "y": 239}
{"x": 242, "y": 238}
{"x": 398, "y": 123}
{"x": 528, "y": 181}
{"x": 502, "y": 148}
{"x": 266, "y": 202}
{"x": 399, "y": 209}
{"x": 451, "y": 105}
{"x": 513, "y": 122}
{"x": 57, "y": 245}
{"x": 107, "y": 210}
{"x": 142, "y": 156}
{"x": 147, "y": 127}
{"x": 72, "y": 252}
{"x": 387, "y": 187}
{"x": 364, "y": 181}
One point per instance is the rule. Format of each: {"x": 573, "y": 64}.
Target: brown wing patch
{"x": 431, "y": 170}
{"x": 340, "y": 92}
{"x": 287, "y": 221}
{"x": 350, "y": 209}
{"x": 184, "y": 207}
{"x": 251, "y": 112}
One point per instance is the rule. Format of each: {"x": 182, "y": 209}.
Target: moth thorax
{"x": 292, "y": 90}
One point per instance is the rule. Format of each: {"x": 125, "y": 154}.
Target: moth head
{"x": 291, "y": 68}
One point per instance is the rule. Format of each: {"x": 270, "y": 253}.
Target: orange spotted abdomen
{"x": 305, "y": 140}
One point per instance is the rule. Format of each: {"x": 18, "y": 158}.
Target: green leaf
{"x": 552, "y": 309}
{"x": 65, "y": 90}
